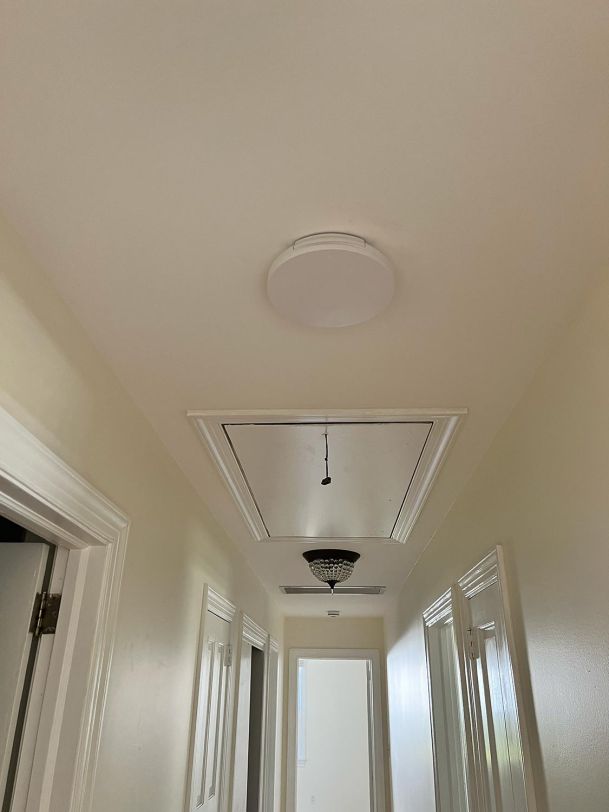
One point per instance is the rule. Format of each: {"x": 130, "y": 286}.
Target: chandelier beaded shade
{"x": 331, "y": 566}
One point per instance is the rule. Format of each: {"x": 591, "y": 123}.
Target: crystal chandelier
{"x": 331, "y": 566}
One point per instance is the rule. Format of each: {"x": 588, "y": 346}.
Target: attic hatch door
{"x": 372, "y": 465}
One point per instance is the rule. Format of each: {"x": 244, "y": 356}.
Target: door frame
{"x": 43, "y": 494}
{"x": 251, "y": 633}
{"x": 375, "y": 717}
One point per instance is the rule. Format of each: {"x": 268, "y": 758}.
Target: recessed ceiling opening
{"x": 339, "y": 475}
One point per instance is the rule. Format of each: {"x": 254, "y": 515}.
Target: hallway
{"x": 304, "y": 460}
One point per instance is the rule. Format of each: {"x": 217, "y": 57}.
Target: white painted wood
{"x": 491, "y": 726}
{"x": 272, "y": 701}
{"x": 371, "y": 465}
{"x": 491, "y": 675}
{"x": 37, "y": 690}
{"x": 40, "y": 492}
{"x": 253, "y": 633}
{"x": 242, "y": 730}
{"x": 446, "y": 707}
{"x": 221, "y": 431}
{"x": 22, "y": 569}
{"x": 250, "y": 635}
{"x": 212, "y": 696}
{"x": 377, "y": 777}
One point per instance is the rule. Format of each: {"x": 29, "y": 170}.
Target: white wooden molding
{"x": 485, "y": 573}
{"x": 254, "y": 634}
{"x": 218, "y": 605}
{"x": 271, "y": 702}
{"x": 40, "y": 492}
{"x": 440, "y": 610}
{"x": 250, "y": 633}
{"x": 210, "y": 428}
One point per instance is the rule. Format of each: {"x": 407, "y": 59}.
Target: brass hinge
{"x": 474, "y": 643}
{"x": 45, "y": 613}
{"x": 228, "y": 656}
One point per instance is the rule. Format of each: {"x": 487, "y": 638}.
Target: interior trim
{"x": 43, "y": 494}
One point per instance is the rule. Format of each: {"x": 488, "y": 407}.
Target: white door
{"x": 496, "y": 709}
{"x": 22, "y": 568}
{"x": 480, "y": 747}
{"x": 208, "y": 768}
{"x": 27, "y": 570}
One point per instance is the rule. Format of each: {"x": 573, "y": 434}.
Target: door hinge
{"x": 473, "y": 644}
{"x": 228, "y": 656}
{"x": 45, "y": 613}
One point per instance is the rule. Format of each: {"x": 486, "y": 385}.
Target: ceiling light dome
{"x": 330, "y": 280}
{"x": 331, "y": 566}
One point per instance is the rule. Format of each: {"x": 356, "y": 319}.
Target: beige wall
{"x": 56, "y": 384}
{"x": 334, "y": 632}
{"x": 543, "y": 493}
{"x": 325, "y": 632}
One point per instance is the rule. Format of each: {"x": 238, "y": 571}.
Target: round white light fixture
{"x": 330, "y": 280}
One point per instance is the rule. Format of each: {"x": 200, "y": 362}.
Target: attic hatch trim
{"x": 210, "y": 426}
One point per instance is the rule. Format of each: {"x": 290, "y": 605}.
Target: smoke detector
{"x": 330, "y": 280}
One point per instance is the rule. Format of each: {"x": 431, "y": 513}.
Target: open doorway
{"x": 335, "y": 737}
{"x": 254, "y": 732}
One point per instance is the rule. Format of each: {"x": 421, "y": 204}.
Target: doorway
{"x": 334, "y": 732}
{"x": 250, "y": 731}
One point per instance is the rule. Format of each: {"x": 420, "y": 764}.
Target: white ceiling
{"x": 157, "y": 156}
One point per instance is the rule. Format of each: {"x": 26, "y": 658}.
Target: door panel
{"x": 480, "y": 746}
{"x": 22, "y": 568}
{"x": 211, "y": 714}
{"x": 498, "y": 714}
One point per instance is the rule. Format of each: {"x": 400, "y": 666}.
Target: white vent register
{"x": 381, "y": 466}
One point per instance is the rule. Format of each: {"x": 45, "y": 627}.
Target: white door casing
{"x": 250, "y": 635}
{"x": 41, "y": 493}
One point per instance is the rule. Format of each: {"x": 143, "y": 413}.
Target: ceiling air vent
{"x": 338, "y": 590}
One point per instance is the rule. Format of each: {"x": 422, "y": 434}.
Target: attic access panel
{"x": 371, "y": 465}
{"x": 382, "y": 466}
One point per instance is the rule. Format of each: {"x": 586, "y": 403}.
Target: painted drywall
{"x": 54, "y": 382}
{"x": 333, "y": 763}
{"x": 327, "y": 632}
{"x": 334, "y": 633}
{"x": 542, "y": 492}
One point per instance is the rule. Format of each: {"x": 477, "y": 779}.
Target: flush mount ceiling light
{"x": 331, "y": 566}
{"x": 330, "y": 280}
